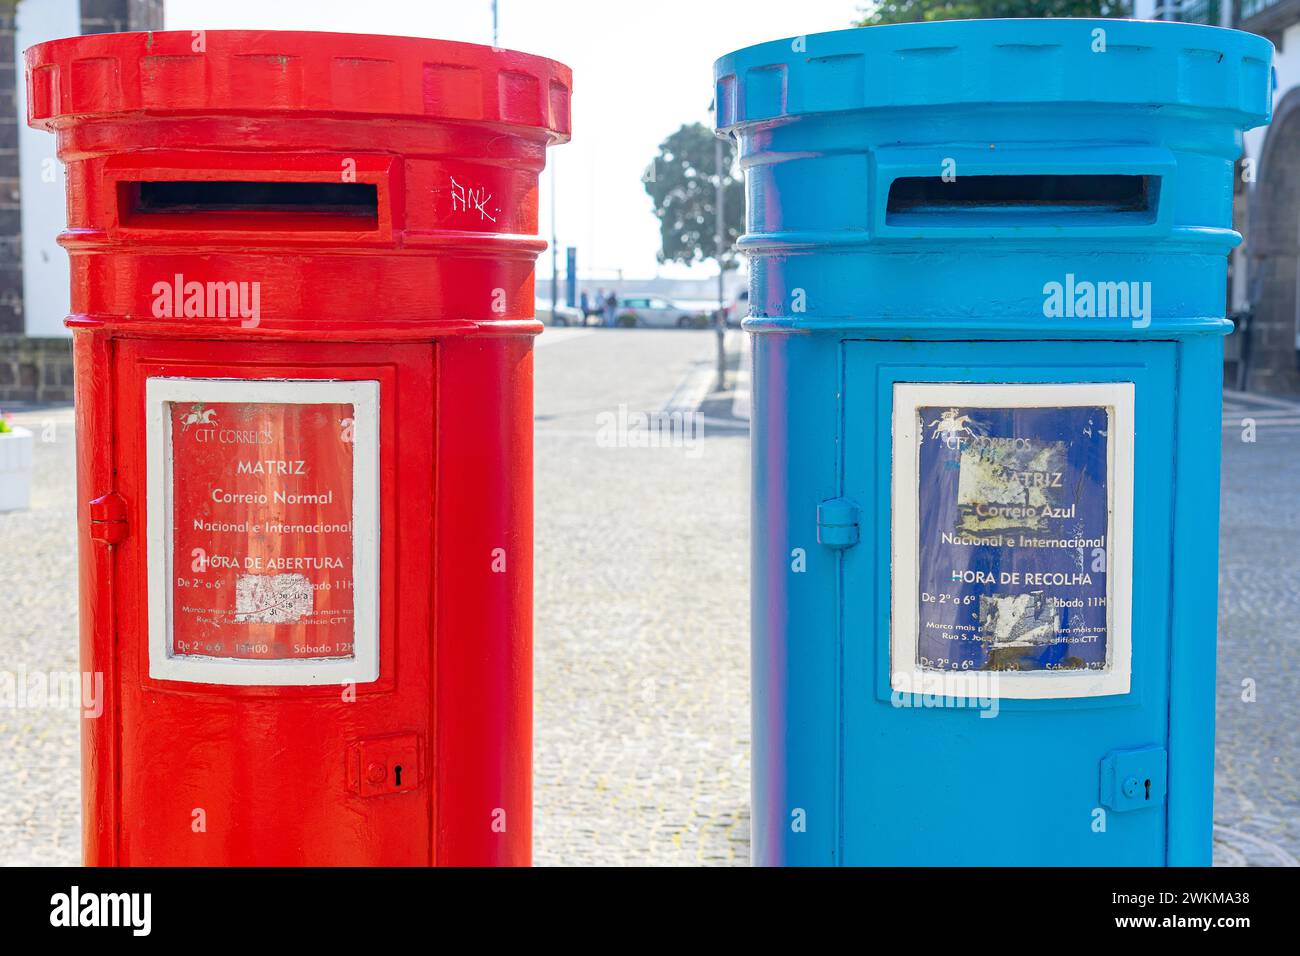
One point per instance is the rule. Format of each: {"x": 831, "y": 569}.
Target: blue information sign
{"x": 1013, "y": 552}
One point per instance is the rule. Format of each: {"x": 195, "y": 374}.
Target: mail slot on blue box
{"x": 988, "y": 269}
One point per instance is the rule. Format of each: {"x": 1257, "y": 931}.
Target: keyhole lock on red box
{"x": 385, "y": 765}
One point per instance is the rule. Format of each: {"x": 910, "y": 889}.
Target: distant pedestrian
{"x": 584, "y": 302}
{"x": 611, "y": 308}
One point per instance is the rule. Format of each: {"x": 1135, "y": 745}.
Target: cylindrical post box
{"x": 987, "y": 305}
{"x": 302, "y": 314}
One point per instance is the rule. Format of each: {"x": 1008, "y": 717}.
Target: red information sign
{"x": 262, "y": 521}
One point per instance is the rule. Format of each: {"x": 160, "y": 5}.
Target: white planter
{"x": 15, "y": 469}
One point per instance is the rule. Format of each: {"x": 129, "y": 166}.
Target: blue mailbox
{"x": 987, "y": 287}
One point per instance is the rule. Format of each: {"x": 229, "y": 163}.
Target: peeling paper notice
{"x": 1014, "y": 511}
{"x": 272, "y": 599}
{"x": 262, "y": 525}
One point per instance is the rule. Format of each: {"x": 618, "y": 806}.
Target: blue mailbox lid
{"x": 1041, "y": 60}
{"x": 842, "y": 136}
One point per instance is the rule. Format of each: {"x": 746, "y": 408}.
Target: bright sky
{"x": 641, "y": 68}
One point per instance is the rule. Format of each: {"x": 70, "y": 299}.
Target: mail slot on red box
{"x": 302, "y": 292}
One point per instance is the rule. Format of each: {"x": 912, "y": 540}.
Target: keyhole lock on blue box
{"x": 987, "y": 287}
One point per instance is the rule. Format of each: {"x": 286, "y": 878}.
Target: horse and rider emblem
{"x": 198, "y": 415}
{"x": 951, "y": 427}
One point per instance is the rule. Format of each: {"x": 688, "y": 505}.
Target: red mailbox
{"x": 302, "y": 313}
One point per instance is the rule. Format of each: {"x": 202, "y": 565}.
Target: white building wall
{"x": 44, "y": 212}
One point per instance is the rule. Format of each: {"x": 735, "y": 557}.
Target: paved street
{"x": 642, "y": 727}
{"x": 1257, "y": 767}
{"x": 642, "y": 652}
{"x": 40, "y": 796}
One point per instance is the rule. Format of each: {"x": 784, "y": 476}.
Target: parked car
{"x": 656, "y": 312}
{"x": 738, "y": 309}
{"x": 564, "y": 314}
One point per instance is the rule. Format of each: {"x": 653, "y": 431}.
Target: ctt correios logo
{"x": 1085, "y": 299}
{"x": 197, "y": 415}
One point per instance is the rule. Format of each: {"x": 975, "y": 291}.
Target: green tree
{"x": 909, "y": 11}
{"x": 683, "y": 182}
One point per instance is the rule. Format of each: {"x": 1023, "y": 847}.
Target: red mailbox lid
{"x": 247, "y": 72}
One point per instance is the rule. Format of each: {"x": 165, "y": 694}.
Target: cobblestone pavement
{"x": 40, "y": 795}
{"x": 1257, "y": 765}
{"x": 642, "y": 653}
{"x": 642, "y": 728}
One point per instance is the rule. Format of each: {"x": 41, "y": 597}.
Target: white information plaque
{"x": 1013, "y": 538}
{"x": 263, "y": 531}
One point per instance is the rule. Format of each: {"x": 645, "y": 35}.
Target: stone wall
{"x": 11, "y": 257}
{"x": 119, "y": 16}
{"x": 1274, "y": 249}
{"x": 37, "y": 370}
